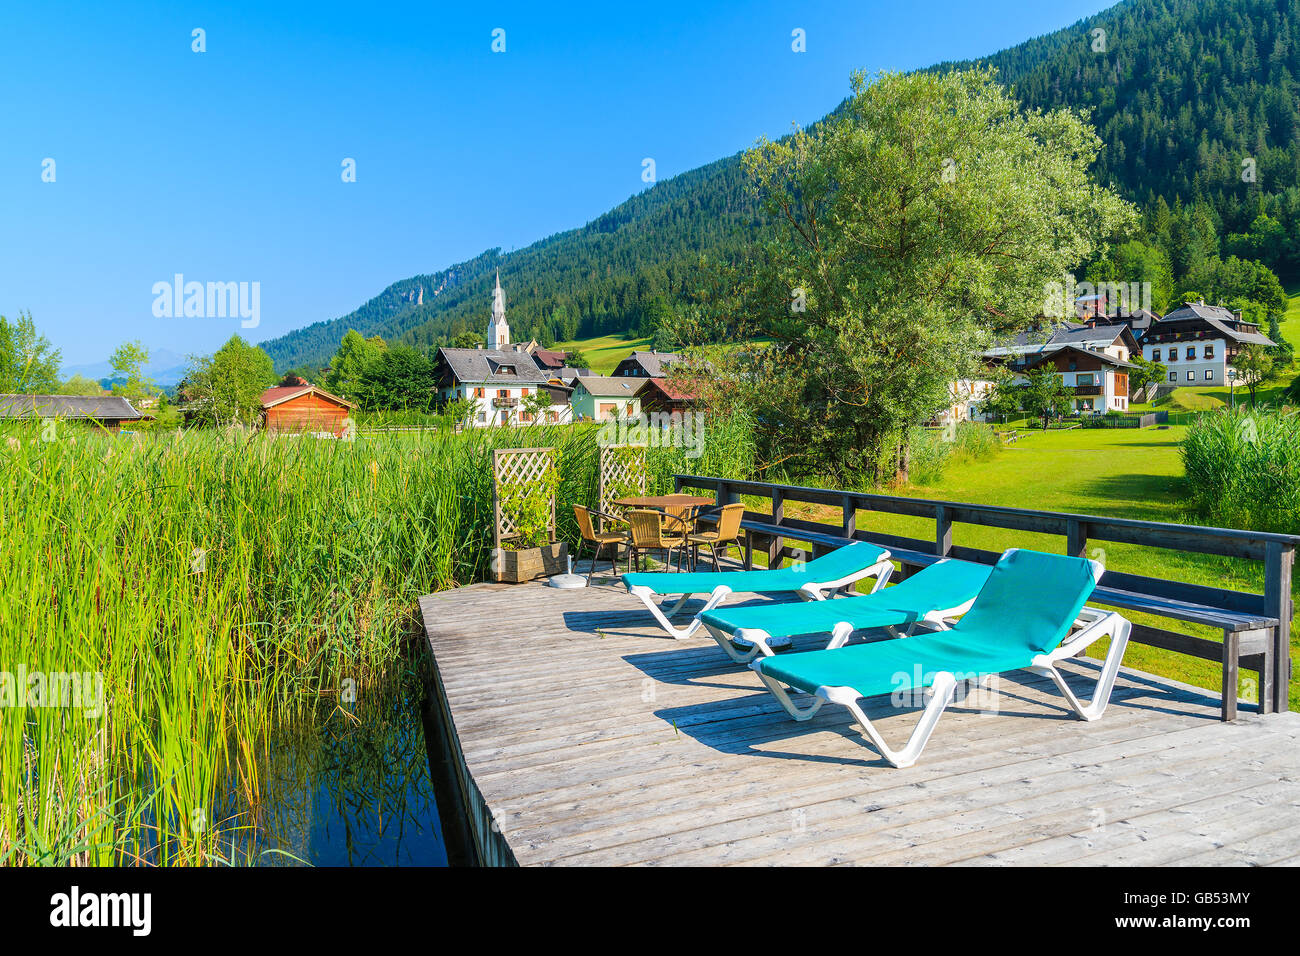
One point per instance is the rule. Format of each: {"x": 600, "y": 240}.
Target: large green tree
{"x": 350, "y": 361}
{"x": 926, "y": 218}
{"x": 226, "y": 387}
{"x": 396, "y": 378}
{"x": 128, "y": 361}
{"x": 28, "y": 362}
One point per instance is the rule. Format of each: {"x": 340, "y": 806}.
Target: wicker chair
{"x": 599, "y": 539}
{"x": 725, "y": 534}
{"x": 648, "y": 534}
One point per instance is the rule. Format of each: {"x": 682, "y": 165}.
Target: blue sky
{"x": 225, "y": 165}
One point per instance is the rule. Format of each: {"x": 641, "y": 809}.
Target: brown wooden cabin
{"x": 660, "y": 395}
{"x": 298, "y": 406}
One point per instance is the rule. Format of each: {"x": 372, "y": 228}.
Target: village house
{"x": 1197, "y": 343}
{"x": 497, "y": 379}
{"x": 599, "y": 398}
{"x": 1091, "y": 357}
{"x": 965, "y": 401}
{"x": 110, "y": 411}
{"x": 1115, "y": 340}
{"x": 297, "y": 406}
{"x": 1098, "y": 380}
{"x": 649, "y": 364}
{"x": 660, "y": 395}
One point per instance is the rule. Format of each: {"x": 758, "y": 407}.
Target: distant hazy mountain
{"x": 165, "y": 367}
{"x": 1182, "y": 92}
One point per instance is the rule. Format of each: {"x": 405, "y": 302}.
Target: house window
{"x": 1209, "y": 351}
{"x": 1209, "y": 375}
{"x": 1173, "y": 355}
{"x": 1173, "y": 376}
{"x": 552, "y": 417}
{"x": 503, "y": 393}
{"x": 1083, "y": 378}
{"x": 1191, "y": 351}
{"x": 1191, "y": 376}
{"x": 478, "y": 393}
{"x": 1155, "y": 355}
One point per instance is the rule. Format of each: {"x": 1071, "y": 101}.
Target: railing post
{"x": 942, "y": 531}
{"x": 1076, "y": 538}
{"x": 849, "y": 521}
{"x": 1278, "y": 562}
{"x": 776, "y": 547}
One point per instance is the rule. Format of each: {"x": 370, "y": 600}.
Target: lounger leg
{"x": 783, "y": 698}
{"x": 941, "y": 694}
{"x": 681, "y": 603}
{"x": 1119, "y": 630}
{"x": 740, "y": 657}
{"x": 646, "y": 597}
{"x": 840, "y": 635}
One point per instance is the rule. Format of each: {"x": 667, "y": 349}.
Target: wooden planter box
{"x": 515, "y": 567}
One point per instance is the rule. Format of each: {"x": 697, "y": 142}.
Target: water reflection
{"x": 350, "y": 787}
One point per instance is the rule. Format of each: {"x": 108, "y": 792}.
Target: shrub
{"x": 932, "y": 450}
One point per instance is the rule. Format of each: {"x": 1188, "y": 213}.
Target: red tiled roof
{"x": 674, "y": 393}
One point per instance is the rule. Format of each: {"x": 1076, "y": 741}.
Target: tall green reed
{"x": 1243, "y": 469}
{"x": 223, "y": 584}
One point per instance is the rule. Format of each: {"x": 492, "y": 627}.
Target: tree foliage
{"x": 886, "y": 274}
{"x": 226, "y": 387}
{"x": 28, "y": 362}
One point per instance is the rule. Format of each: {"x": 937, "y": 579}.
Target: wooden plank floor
{"x": 593, "y": 738}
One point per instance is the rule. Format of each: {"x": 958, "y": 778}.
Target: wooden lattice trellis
{"x": 518, "y": 466}
{"x": 623, "y": 471}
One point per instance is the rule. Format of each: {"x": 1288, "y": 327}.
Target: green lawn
{"x": 1127, "y": 473}
{"x": 605, "y": 352}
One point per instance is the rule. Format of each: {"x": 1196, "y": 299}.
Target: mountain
{"x": 1182, "y": 92}
{"x": 165, "y": 367}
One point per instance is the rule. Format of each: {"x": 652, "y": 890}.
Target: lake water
{"x": 351, "y": 788}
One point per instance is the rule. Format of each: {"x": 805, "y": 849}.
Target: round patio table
{"x": 664, "y": 501}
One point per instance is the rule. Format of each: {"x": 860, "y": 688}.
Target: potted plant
{"x": 531, "y": 551}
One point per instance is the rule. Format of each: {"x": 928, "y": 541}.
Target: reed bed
{"x": 1243, "y": 469}
{"x": 223, "y": 585}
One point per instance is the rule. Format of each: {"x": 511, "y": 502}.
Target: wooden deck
{"x": 584, "y": 735}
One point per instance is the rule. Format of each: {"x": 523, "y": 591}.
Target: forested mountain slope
{"x": 1187, "y": 95}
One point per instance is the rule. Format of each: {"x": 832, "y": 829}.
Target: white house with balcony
{"x": 1097, "y": 380}
{"x": 499, "y": 379}
{"x": 1197, "y": 343}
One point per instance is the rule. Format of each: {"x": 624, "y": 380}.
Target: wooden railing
{"x": 1256, "y": 627}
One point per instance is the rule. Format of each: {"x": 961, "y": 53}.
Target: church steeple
{"x": 498, "y": 336}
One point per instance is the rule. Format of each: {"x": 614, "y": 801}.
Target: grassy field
{"x": 604, "y": 353}
{"x": 1126, "y": 473}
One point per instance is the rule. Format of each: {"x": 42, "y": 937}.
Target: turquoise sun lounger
{"x": 810, "y": 580}
{"x": 928, "y": 598}
{"x": 1021, "y": 619}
